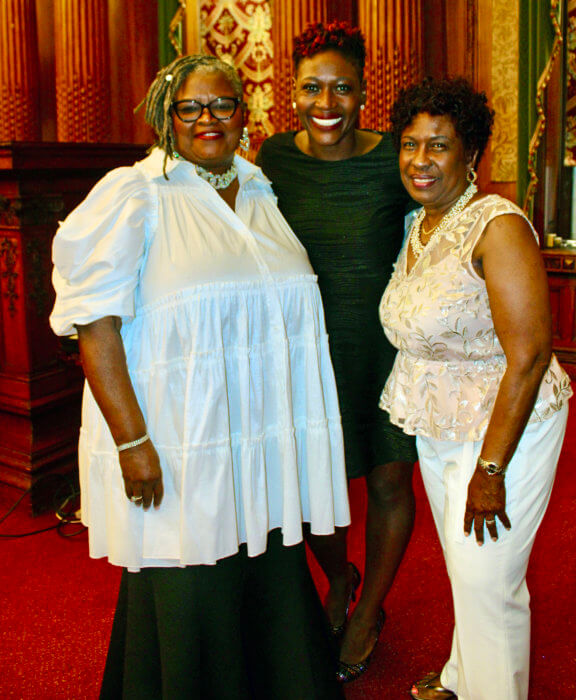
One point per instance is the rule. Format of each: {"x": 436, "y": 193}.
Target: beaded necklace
{"x": 442, "y": 225}
{"x": 219, "y": 181}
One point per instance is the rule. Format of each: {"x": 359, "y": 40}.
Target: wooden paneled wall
{"x": 82, "y": 60}
{"x": 393, "y": 41}
{"x": 73, "y": 70}
{"x": 289, "y": 18}
{"x": 19, "y": 72}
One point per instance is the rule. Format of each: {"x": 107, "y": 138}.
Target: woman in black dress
{"x": 340, "y": 190}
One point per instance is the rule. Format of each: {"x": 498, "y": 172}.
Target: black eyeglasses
{"x": 221, "y": 108}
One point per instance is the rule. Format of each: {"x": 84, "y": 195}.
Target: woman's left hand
{"x": 486, "y": 500}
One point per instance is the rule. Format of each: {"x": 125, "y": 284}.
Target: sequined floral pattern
{"x": 450, "y": 361}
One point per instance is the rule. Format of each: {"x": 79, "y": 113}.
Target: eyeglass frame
{"x": 237, "y": 101}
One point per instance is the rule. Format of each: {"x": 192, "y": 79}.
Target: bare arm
{"x": 104, "y": 362}
{"x": 510, "y": 261}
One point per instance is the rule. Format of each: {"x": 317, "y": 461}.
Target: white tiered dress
{"x": 223, "y": 328}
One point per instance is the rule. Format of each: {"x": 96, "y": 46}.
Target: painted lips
{"x": 209, "y": 135}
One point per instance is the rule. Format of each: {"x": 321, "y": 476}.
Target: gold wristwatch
{"x": 491, "y": 468}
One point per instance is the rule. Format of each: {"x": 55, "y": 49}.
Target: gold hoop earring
{"x": 471, "y": 175}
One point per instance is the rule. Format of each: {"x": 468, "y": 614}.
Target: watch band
{"x": 491, "y": 468}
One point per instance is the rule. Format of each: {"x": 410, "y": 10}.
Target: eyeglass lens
{"x": 220, "y": 108}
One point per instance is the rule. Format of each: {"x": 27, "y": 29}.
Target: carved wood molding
{"x": 38, "y": 267}
{"x": 393, "y": 41}
{"x": 19, "y": 71}
{"x": 9, "y": 256}
{"x": 82, "y": 70}
{"x": 30, "y": 210}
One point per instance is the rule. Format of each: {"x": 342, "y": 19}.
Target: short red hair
{"x": 335, "y": 36}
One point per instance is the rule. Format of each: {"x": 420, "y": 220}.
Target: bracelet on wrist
{"x": 491, "y": 468}
{"x": 134, "y": 443}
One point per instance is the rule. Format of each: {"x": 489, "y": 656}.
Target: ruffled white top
{"x": 450, "y": 362}
{"x": 223, "y": 328}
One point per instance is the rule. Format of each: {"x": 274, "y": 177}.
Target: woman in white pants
{"x": 475, "y": 381}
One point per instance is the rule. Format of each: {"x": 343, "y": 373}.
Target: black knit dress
{"x": 349, "y": 215}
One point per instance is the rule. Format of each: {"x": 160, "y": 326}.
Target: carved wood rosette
{"x": 82, "y": 70}
{"x": 394, "y": 46}
{"x": 19, "y": 70}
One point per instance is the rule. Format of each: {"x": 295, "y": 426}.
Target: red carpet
{"x": 57, "y": 605}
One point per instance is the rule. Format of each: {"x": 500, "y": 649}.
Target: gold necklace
{"x": 442, "y": 225}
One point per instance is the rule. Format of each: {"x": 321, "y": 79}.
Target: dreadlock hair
{"x": 166, "y": 84}
{"x": 336, "y": 36}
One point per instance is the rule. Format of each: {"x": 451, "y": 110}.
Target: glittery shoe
{"x": 350, "y": 672}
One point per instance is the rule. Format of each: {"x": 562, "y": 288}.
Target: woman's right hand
{"x": 104, "y": 363}
{"x": 142, "y": 475}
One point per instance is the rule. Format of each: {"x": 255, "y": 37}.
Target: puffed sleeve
{"x": 98, "y": 251}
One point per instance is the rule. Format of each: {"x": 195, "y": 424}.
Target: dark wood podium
{"x": 40, "y": 379}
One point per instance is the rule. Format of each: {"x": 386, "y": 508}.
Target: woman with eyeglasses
{"x": 339, "y": 188}
{"x": 210, "y": 426}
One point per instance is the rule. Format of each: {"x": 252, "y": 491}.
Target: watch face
{"x": 493, "y": 469}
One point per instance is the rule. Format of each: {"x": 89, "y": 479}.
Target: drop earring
{"x": 293, "y": 105}
{"x": 245, "y": 140}
{"x": 362, "y": 107}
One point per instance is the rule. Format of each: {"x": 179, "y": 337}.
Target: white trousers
{"x": 491, "y": 641}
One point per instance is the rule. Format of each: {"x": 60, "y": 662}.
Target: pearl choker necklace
{"x": 219, "y": 181}
{"x": 442, "y": 225}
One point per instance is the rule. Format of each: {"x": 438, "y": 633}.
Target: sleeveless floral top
{"x": 450, "y": 361}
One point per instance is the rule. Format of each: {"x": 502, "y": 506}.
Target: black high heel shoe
{"x": 336, "y": 631}
{"x": 350, "y": 672}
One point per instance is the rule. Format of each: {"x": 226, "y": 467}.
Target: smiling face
{"x": 433, "y": 162}
{"x": 328, "y": 93}
{"x": 208, "y": 142}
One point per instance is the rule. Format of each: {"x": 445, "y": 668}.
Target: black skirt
{"x": 246, "y": 628}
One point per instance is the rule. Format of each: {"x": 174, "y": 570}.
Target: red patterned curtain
{"x": 570, "y": 152}
{"x": 239, "y": 33}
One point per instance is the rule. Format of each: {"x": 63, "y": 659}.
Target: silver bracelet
{"x": 134, "y": 443}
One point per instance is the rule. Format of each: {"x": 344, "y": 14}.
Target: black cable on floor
{"x": 65, "y": 518}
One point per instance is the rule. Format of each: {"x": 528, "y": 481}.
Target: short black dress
{"x": 349, "y": 215}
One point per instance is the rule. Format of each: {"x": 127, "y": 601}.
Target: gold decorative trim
{"x": 570, "y": 125}
{"x": 539, "y": 100}
{"x": 175, "y": 28}
{"x": 505, "y": 52}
